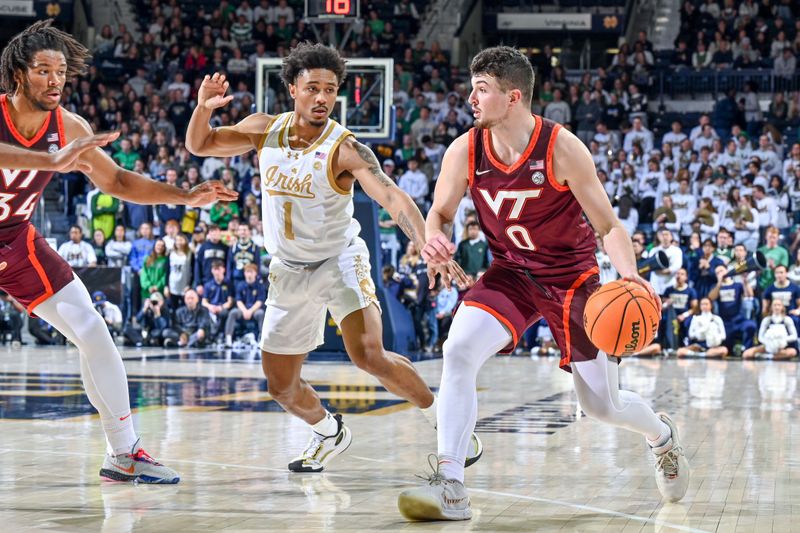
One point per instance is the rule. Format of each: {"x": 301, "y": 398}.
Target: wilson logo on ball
{"x": 634, "y": 343}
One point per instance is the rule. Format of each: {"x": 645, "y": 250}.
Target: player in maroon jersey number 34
{"x": 34, "y": 68}
{"x": 531, "y": 181}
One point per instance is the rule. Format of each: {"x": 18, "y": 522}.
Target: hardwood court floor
{"x": 544, "y": 469}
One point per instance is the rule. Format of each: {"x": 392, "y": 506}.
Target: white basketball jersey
{"x": 307, "y": 216}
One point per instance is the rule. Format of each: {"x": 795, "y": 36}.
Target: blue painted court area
{"x": 58, "y": 396}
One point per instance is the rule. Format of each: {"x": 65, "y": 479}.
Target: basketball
{"x": 621, "y": 317}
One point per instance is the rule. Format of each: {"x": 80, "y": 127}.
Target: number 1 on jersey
{"x": 287, "y": 221}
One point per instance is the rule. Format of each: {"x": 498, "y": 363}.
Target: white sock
{"x": 475, "y": 335}
{"x": 430, "y": 412}
{"x": 327, "y": 427}
{"x": 71, "y": 312}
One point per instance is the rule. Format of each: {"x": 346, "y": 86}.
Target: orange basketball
{"x": 621, "y": 318}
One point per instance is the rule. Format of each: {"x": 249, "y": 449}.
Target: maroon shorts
{"x": 30, "y": 270}
{"x": 518, "y": 301}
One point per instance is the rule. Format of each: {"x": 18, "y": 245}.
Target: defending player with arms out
{"x": 531, "y": 182}
{"x": 34, "y": 68}
{"x": 309, "y": 165}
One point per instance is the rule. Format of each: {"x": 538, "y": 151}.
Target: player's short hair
{"x": 19, "y": 52}
{"x": 308, "y": 56}
{"x": 508, "y": 66}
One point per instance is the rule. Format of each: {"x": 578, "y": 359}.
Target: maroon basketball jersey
{"x": 530, "y": 220}
{"x": 20, "y": 189}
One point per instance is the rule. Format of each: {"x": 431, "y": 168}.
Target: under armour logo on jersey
{"x": 291, "y": 155}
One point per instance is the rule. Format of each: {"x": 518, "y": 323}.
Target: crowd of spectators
{"x": 723, "y": 188}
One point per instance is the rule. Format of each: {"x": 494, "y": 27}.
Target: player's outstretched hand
{"x": 66, "y": 159}
{"x": 210, "y": 191}
{"x": 438, "y": 250}
{"x": 450, "y": 271}
{"x": 636, "y": 278}
{"x": 212, "y": 92}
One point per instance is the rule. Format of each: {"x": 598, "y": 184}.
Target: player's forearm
{"x": 15, "y": 157}
{"x": 436, "y": 222}
{"x": 199, "y": 130}
{"x": 138, "y": 189}
{"x": 619, "y": 248}
{"x": 405, "y": 212}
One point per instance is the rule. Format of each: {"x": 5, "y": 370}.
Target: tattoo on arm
{"x": 405, "y": 224}
{"x": 374, "y": 167}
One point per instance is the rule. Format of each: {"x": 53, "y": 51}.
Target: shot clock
{"x": 332, "y": 9}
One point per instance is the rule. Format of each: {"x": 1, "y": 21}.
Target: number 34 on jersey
{"x": 22, "y": 202}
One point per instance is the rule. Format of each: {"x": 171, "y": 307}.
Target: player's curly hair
{"x": 41, "y": 35}
{"x": 307, "y": 56}
{"x": 508, "y": 66}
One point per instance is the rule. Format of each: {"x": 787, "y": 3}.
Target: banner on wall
{"x": 17, "y": 8}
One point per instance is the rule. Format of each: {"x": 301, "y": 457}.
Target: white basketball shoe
{"x": 321, "y": 449}
{"x": 437, "y": 499}
{"x": 672, "y": 468}
{"x": 137, "y": 466}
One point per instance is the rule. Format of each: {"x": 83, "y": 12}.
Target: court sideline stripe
{"x": 559, "y": 503}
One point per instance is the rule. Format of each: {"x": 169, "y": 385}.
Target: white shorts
{"x": 300, "y": 296}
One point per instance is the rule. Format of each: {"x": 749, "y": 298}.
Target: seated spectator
{"x": 99, "y": 245}
{"x": 730, "y": 295}
{"x": 777, "y": 335}
{"x": 251, "y": 296}
{"x": 558, "y": 110}
{"x": 638, "y": 135}
{"x": 415, "y": 183}
{"x": 12, "y": 315}
{"x": 223, "y": 212}
{"x": 153, "y": 277}
{"x": 44, "y": 333}
{"x": 243, "y": 252}
{"x": 77, "y": 252}
{"x": 775, "y": 255}
{"x": 472, "y": 253}
{"x": 110, "y": 312}
{"x": 190, "y": 324}
{"x": 212, "y": 249}
{"x": 440, "y": 314}
{"x": 217, "y": 298}
{"x": 104, "y": 210}
{"x": 118, "y": 249}
{"x": 706, "y": 334}
{"x": 154, "y": 319}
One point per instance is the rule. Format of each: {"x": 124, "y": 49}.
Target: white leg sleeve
{"x": 474, "y": 337}
{"x": 597, "y": 387}
{"x": 71, "y": 312}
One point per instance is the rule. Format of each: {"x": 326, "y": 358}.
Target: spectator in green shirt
{"x": 473, "y": 252}
{"x": 104, "y": 213}
{"x": 223, "y": 212}
{"x": 126, "y": 157}
{"x": 153, "y": 276}
{"x": 775, "y": 254}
